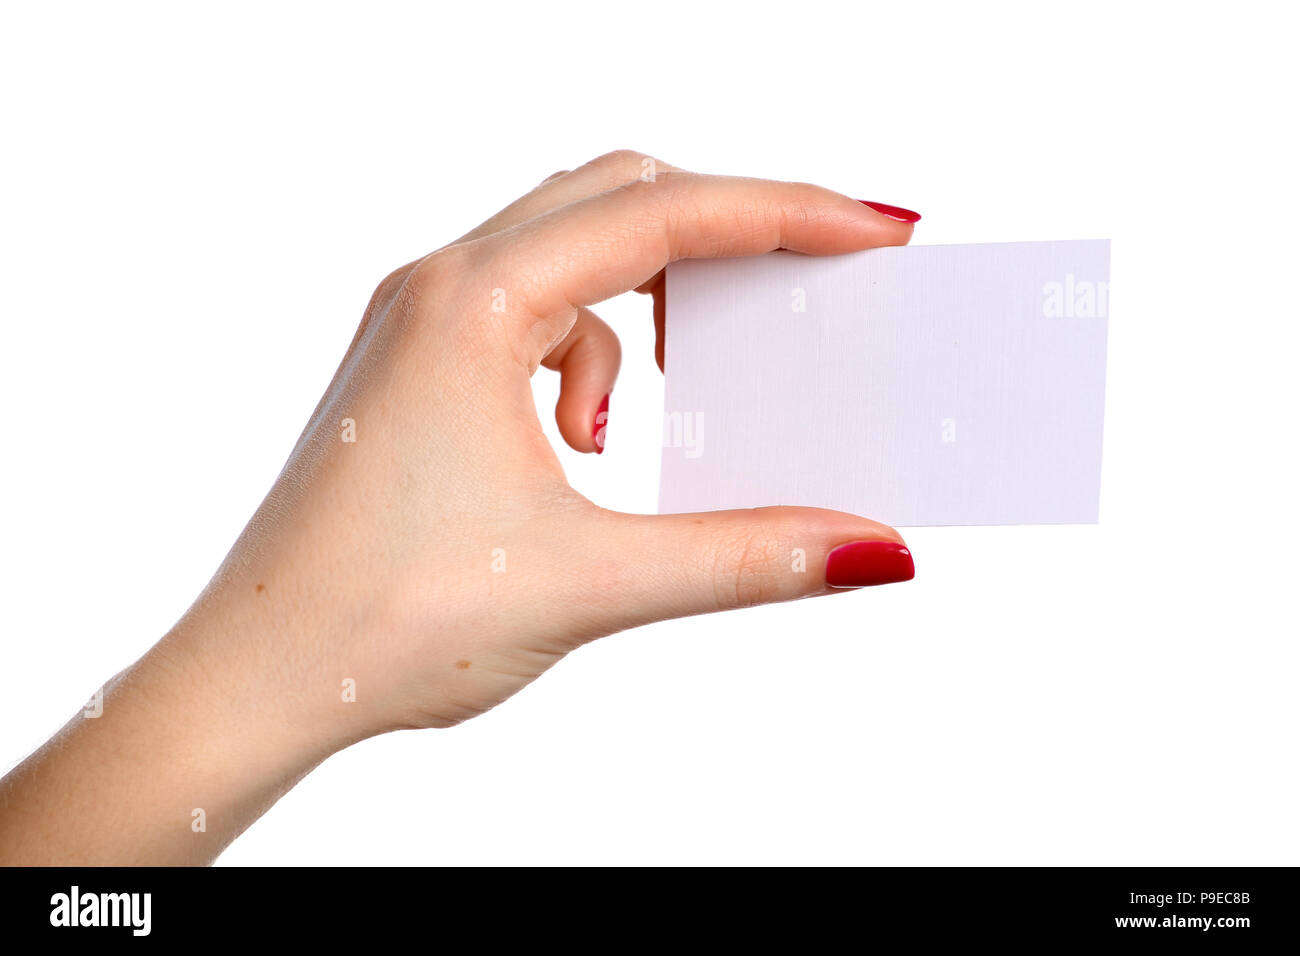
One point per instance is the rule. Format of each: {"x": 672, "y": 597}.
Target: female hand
{"x": 421, "y": 556}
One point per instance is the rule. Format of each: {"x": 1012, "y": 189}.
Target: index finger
{"x": 603, "y": 245}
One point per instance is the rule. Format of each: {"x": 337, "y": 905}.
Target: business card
{"x": 917, "y": 385}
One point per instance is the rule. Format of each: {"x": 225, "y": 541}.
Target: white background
{"x": 195, "y": 206}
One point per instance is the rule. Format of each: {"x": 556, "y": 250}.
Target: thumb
{"x": 676, "y": 565}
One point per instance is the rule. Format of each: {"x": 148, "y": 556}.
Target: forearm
{"x": 189, "y": 748}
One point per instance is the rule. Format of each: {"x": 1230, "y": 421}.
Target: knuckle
{"x": 388, "y": 289}
{"x": 428, "y": 298}
{"x": 619, "y": 160}
{"x": 432, "y": 275}
{"x": 623, "y": 165}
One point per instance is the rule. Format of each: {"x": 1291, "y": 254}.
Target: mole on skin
{"x": 462, "y": 665}
{"x": 261, "y": 588}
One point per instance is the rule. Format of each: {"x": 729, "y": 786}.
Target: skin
{"x": 373, "y": 560}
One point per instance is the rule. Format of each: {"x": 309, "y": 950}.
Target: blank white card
{"x": 921, "y": 385}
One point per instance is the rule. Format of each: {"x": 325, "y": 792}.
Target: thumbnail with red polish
{"x": 861, "y": 564}
{"x": 893, "y": 212}
{"x": 598, "y": 430}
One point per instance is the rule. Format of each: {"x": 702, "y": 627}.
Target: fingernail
{"x": 598, "y": 432}
{"x": 893, "y": 212}
{"x": 861, "y": 564}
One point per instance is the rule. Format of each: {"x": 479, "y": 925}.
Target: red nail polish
{"x": 598, "y": 432}
{"x": 862, "y": 564}
{"x": 893, "y": 212}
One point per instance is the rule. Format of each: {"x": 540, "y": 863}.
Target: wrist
{"x": 258, "y": 691}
